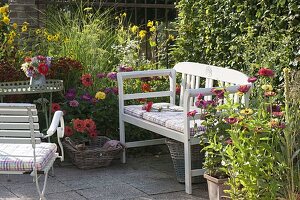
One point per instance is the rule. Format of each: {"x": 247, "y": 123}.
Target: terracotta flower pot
{"x": 216, "y": 187}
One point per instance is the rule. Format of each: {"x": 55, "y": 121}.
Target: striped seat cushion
{"x": 160, "y": 117}
{"x": 134, "y": 110}
{"x": 177, "y": 124}
{"x": 19, "y": 157}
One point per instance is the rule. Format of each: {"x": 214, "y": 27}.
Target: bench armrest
{"x": 54, "y": 127}
{"x": 147, "y": 73}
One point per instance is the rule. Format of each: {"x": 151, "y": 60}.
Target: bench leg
{"x": 122, "y": 140}
{"x": 187, "y": 167}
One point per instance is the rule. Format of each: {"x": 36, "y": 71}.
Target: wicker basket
{"x": 177, "y": 154}
{"x": 93, "y": 155}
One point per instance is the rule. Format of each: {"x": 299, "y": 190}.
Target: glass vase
{"x": 37, "y": 80}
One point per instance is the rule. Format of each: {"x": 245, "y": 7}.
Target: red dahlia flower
{"x": 55, "y": 107}
{"x": 79, "y": 125}
{"x": 266, "y": 72}
{"x": 43, "y": 69}
{"x": 68, "y": 131}
{"x": 89, "y": 125}
{"x": 86, "y": 80}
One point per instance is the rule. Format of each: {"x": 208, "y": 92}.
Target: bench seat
{"x": 19, "y": 157}
{"x": 169, "y": 119}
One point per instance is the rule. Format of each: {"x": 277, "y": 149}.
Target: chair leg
{"x": 187, "y": 167}
{"x": 122, "y": 140}
{"x": 41, "y": 193}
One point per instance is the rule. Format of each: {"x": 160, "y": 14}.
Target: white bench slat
{"x": 8, "y": 118}
{"x": 17, "y": 105}
{"x": 22, "y": 111}
{"x": 18, "y": 126}
{"x": 19, "y": 140}
{"x": 19, "y": 133}
{"x": 147, "y": 95}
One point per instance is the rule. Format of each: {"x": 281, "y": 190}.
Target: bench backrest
{"x": 19, "y": 123}
{"x": 196, "y": 75}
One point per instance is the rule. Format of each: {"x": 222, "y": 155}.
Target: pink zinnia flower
{"x": 74, "y": 103}
{"x": 191, "y": 113}
{"x": 231, "y": 120}
{"x": 177, "y": 89}
{"x": 90, "y": 125}
{"x": 219, "y": 92}
{"x": 252, "y": 79}
{"x": 228, "y": 141}
{"x": 244, "y": 88}
{"x": 78, "y": 125}
{"x": 266, "y": 72}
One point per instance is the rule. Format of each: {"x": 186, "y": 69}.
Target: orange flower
{"x": 79, "y": 125}
{"x": 146, "y": 87}
{"x": 90, "y": 125}
{"x": 55, "y": 107}
{"x": 86, "y": 80}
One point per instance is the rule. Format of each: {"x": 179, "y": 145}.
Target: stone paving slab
{"x": 142, "y": 178}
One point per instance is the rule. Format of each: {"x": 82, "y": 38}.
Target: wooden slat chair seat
{"x": 21, "y": 147}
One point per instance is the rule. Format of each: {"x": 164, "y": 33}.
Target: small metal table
{"x": 23, "y": 87}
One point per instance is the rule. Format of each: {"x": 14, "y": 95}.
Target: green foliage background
{"x": 239, "y": 33}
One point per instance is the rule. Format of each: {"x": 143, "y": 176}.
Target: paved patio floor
{"x": 142, "y": 178}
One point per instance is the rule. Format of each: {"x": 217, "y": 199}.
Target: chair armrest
{"x": 57, "y": 118}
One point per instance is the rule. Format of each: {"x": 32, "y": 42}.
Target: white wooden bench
{"x": 21, "y": 148}
{"x": 196, "y": 78}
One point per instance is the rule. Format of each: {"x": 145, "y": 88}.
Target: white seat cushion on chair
{"x": 160, "y": 117}
{"x": 134, "y": 110}
{"x": 178, "y": 125}
{"x": 19, "y": 157}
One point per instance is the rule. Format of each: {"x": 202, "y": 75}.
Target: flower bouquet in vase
{"x": 36, "y": 68}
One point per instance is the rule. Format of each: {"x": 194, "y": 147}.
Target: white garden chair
{"x": 21, "y": 148}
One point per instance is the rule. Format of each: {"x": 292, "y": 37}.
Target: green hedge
{"x": 239, "y": 34}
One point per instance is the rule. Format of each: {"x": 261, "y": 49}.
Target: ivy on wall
{"x": 239, "y": 33}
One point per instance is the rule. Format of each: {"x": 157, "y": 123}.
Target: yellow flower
{"x": 38, "y": 31}
{"x": 10, "y": 40}
{"x": 55, "y": 37}
{"x": 240, "y": 93}
{"x": 24, "y": 28}
{"x": 267, "y": 87}
{"x": 100, "y": 95}
{"x": 134, "y": 29}
{"x": 15, "y": 25}
{"x": 6, "y": 20}
{"x": 12, "y": 34}
{"x": 49, "y": 38}
{"x": 4, "y": 10}
{"x": 25, "y": 23}
{"x": 152, "y": 43}
{"x": 247, "y": 111}
{"x": 124, "y": 14}
{"x": 150, "y": 23}
{"x": 142, "y": 34}
{"x": 171, "y": 37}
{"x": 152, "y": 29}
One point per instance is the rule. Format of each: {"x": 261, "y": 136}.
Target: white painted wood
{"x": 12, "y": 140}
{"x": 19, "y": 133}
{"x": 18, "y": 126}
{"x": 19, "y": 112}
{"x": 147, "y": 95}
{"x": 191, "y": 76}
{"x": 9, "y": 118}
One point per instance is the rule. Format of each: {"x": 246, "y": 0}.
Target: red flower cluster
{"x": 191, "y": 113}
{"x": 87, "y": 125}
{"x": 266, "y": 72}
{"x": 86, "y": 80}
